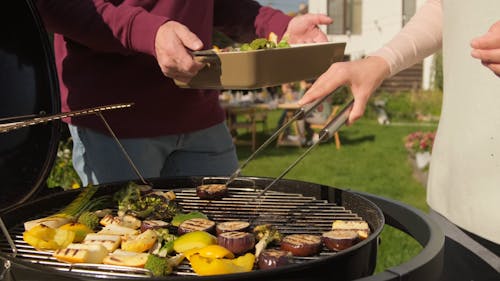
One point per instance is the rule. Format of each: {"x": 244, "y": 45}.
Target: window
{"x": 409, "y": 8}
{"x": 346, "y": 16}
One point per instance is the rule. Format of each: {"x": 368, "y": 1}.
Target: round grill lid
{"x": 28, "y": 86}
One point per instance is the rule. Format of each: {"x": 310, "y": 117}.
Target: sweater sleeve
{"x": 102, "y": 26}
{"x": 244, "y": 20}
{"x": 421, "y": 37}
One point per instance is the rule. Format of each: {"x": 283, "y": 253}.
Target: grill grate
{"x": 289, "y": 212}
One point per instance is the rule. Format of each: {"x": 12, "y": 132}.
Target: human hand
{"x": 362, "y": 76}
{"x": 304, "y": 28}
{"x": 487, "y": 48}
{"x": 171, "y": 45}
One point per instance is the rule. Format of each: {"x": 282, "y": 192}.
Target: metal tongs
{"x": 30, "y": 120}
{"x": 329, "y": 129}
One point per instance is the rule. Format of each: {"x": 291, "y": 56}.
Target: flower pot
{"x": 422, "y": 159}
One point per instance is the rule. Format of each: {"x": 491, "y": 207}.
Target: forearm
{"x": 102, "y": 26}
{"x": 421, "y": 37}
{"x": 244, "y": 20}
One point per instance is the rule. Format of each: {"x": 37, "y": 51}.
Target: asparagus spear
{"x": 69, "y": 213}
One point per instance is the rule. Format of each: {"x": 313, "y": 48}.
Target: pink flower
{"x": 419, "y": 141}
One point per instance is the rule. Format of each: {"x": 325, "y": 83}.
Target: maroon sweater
{"x": 105, "y": 54}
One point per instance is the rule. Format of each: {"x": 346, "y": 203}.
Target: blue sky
{"x": 284, "y": 5}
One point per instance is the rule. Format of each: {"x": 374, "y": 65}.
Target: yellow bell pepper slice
{"x": 79, "y": 229}
{"x": 42, "y": 237}
{"x": 63, "y": 238}
{"x": 246, "y": 261}
{"x": 210, "y": 251}
{"x": 193, "y": 240}
{"x": 214, "y": 266}
{"x": 39, "y": 243}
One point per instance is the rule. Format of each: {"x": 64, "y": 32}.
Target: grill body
{"x": 292, "y": 206}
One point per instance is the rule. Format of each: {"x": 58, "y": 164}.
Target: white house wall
{"x": 381, "y": 20}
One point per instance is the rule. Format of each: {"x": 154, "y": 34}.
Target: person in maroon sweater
{"x": 120, "y": 51}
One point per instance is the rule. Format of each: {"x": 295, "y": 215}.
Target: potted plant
{"x": 419, "y": 145}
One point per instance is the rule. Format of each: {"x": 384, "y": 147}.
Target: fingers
{"x": 358, "y": 108}
{"x": 488, "y": 56}
{"x": 322, "y": 19}
{"x": 486, "y": 48}
{"x": 324, "y": 85}
{"x": 172, "y": 43}
{"x": 189, "y": 39}
{"x": 304, "y": 29}
{"x": 490, "y": 40}
{"x": 495, "y": 67}
{"x": 320, "y": 37}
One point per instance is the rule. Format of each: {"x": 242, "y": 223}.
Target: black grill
{"x": 309, "y": 212}
{"x": 289, "y": 212}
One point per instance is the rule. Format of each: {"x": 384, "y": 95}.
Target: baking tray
{"x": 263, "y": 68}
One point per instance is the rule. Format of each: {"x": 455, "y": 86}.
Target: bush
{"x": 415, "y": 106}
{"x": 63, "y": 174}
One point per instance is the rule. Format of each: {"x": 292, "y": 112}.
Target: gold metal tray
{"x": 263, "y": 68}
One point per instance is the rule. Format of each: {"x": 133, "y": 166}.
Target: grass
{"x": 372, "y": 159}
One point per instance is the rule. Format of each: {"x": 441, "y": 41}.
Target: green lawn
{"x": 372, "y": 159}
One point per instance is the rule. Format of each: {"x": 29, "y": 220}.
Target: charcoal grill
{"x": 289, "y": 211}
{"x": 29, "y": 89}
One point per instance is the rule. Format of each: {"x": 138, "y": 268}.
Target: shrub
{"x": 415, "y": 106}
{"x": 63, "y": 174}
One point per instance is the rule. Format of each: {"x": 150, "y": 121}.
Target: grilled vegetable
{"x": 193, "y": 240}
{"x": 361, "y": 227}
{"x": 124, "y": 258}
{"x": 153, "y": 224}
{"x": 196, "y": 225}
{"x": 266, "y": 234}
{"x": 164, "y": 243}
{"x": 237, "y": 242}
{"x": 179, "y": 218}
{"x": 115, "y": 229}
{"x": 210, "y": 251}
{"x": 130, "y": 221}
{"x": 338, "y": 240}
{"x": 79, "y": 229}
{"x": 69, "y": 213}
{"x": 155, "y": 205}
{"x": 211, "y": 191}
{"x": 42, "y": 237}
{"x": 110, "y": 242}
{"x": 263, "y": 43}
{"x": 71, "y": 255}
{"x": 103, "y": 212}
{"x": 126, "y": 221}
{"x": 82, "y": 253}
{"x": 232, "y": 226}
{"x": 302, "y": 245}
{"x": 139, "y": 243}
{"x": 159, "y": 266}
{"x": 214, "y": 266}
{"x": 272, "y": 258}
{"x": 90, "y": 219}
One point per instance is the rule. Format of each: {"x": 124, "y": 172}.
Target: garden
{"x": 373, "y": 158}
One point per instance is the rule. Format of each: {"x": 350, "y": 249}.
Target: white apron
{"x": 464, "y": 178}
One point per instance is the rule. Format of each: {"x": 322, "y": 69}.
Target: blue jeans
{"x": 98, "y": 159}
